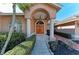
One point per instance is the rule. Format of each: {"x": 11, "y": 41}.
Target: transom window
{"x": 39, "y": 22}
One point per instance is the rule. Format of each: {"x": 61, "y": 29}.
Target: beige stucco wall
{"x": 70, "y": 31}
{"x": 5, "y": 22}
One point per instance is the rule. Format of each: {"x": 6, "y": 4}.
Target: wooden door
{"x": 40, "y": 28}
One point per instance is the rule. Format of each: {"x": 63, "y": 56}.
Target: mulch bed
{"x": 63, "y": 49}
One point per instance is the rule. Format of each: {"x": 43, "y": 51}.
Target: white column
{"x": 52, "y": 30}
{"x": 76, "y": 30}
{"x": 28, "y": 28}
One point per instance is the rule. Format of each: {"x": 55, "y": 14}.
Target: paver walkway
{"x": 40, "y": 46}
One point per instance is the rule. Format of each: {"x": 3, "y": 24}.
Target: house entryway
{"x": 40, "y": 27}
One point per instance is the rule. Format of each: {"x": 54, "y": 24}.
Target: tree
{"x": 11, "y": 29}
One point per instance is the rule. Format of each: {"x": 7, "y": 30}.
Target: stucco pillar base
{"x": 76, "y": 30}
{"x": 76, "y": 38}
{"x": 28, "y": 35}
{"x": 28, "y": 28}
{"x": 52, "y": 38}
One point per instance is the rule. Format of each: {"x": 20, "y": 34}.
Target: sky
{"x": 67, "y": 10}
{"x": 7, "y": 8}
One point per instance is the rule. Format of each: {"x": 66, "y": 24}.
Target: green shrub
{"x": 23, "y": 48}
{"x": 53, "y": 45}
{"x": 15, "y": 39}
{"x": 66, "y": 35}
{"x": 3, "y": 37}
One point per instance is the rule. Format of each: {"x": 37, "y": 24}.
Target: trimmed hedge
{"x": 66, "y": 35}
{"x": 3, "y": 37}
{"x": 24, "y": 48}
{"x": 15, "y": 39}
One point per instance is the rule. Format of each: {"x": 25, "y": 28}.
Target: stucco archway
{"x": 38, "y": 9}
{"x": 40, "y": 15}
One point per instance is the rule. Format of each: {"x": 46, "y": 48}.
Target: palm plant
{"x": 24, "y": 6}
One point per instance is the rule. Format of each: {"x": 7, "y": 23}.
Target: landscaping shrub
{"x": 66, "y": 35}
{"x": 62, "y": 43}
{"x": 3, "y": 37}
{"x": 53, "y": 45}
{"x": 15, "y": 39}
{"x": 23, "y": 48}
{"x": 56, "y": 46}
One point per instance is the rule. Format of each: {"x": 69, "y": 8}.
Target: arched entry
{"x": 39, "y": 27}
{"x": 40, "y": 17}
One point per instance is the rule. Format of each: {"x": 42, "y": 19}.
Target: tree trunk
{"x": 11, "y": 29}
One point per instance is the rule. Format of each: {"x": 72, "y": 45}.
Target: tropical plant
{"x": 24, "y": 6}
